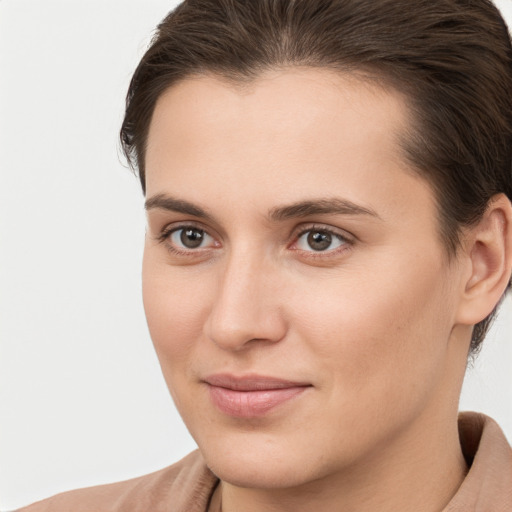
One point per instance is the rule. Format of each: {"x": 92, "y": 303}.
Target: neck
{"x": 420, "y": 470}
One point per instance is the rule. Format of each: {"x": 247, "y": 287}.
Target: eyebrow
{"x": 322, "y": 206}
{"x": 165, "y": 202}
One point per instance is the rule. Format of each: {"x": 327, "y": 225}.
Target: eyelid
{"x": 166, "y": 230}
{"x": 165, "y": 233}
{"x": 305, "y": 228}
{"x": 348, "y": 238}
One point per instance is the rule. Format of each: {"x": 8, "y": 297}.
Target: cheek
{"x": 379, "y": 333}
{"x": 174, "y": 306}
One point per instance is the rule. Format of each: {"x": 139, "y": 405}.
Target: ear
{"x": 488, "y": 254}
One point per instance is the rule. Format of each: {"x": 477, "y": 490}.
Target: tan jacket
{"x": 188, "y": 485}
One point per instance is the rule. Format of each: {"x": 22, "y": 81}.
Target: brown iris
{"x": 191, "y": 238}
{"x": 319, "y": 240}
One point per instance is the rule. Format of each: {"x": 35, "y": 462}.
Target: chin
{"x": 255, "y": 460}
{"x": 258, "y": 472}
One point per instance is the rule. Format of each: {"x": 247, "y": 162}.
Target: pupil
{"x": 191, "y": 238}
{"x": 319, "y": 241}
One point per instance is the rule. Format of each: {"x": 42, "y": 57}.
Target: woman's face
{"x": 296, "y": 289}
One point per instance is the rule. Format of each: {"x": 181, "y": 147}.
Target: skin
{"x": 378, "y": 324}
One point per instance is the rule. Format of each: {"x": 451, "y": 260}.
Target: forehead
{"x": 283, "y": 137}
{"x": 290, "y": 104}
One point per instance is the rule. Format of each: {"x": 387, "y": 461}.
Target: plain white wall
{"x": 82, "y": 400}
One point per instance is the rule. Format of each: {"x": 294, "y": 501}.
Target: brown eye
{"x": 190, "y": 238}
{"x": 319, "y": 240}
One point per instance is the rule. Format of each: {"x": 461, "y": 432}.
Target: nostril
{"x": 245, "y": 331}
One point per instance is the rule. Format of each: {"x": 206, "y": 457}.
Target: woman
{"x": 329, "y": 234}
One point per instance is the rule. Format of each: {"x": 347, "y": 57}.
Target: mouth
{"x": 251, "y": 396}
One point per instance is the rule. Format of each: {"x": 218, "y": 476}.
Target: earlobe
{"x": 488, "y": 250}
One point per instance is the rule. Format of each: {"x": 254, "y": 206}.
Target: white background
{"x": 82, "y": 400}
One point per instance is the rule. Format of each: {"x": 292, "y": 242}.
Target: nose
{"x": 246, "y": 306}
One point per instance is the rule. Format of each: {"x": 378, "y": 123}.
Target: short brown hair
{"x": 451, "y": 58}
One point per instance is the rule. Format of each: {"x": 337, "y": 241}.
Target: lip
{"x": 251, "y": 396}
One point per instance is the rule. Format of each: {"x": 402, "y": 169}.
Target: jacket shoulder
{"x": 186, "y": 485}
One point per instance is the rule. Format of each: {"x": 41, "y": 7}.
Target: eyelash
{"x": 347, "y": 241}
{"x": 169, "y": 230}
